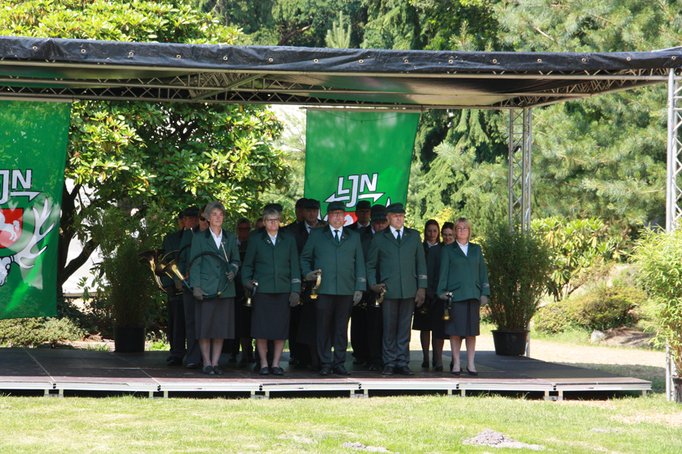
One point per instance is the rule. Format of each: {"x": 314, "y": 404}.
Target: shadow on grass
{"x": 656, "y": 375}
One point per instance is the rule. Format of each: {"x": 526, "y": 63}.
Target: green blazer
{"x": 342, "y": 263}
{"x": 401, "y": 266}
{"x": 171, "y": 245}
{"x": 209, "y": 264}
{"x": 274, "y": 266}
{"x": 466, "y": 276}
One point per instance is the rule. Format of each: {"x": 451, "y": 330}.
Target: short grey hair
{"x": 211, "y": 206}
{"x": 271, "y": 212}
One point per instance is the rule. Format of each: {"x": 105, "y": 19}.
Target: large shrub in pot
{"x": 518, "y": 271}
{"x": 658, "y": 256}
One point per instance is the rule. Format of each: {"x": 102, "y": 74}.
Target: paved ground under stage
{"x": 64, "y": 372}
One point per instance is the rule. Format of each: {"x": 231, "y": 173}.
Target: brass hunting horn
{"x": 448, "y": 306}
{"x": 380, "y": 298}
{"x": 248, "y": 302}
{"x": 318, "y": 281}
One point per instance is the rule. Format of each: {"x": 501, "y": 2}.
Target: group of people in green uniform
{"x": 303, "y": 283}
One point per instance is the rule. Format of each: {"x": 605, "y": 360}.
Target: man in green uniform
{"x": 193, "y": 224}
{"x": 396, "y": 254}
{"x": 173, "y": 289}
{"x": 337, "y": 254}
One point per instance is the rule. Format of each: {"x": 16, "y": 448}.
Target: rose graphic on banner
{"x": 33, "y": 141}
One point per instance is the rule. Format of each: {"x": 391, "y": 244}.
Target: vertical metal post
{"x": 673, "y": 211}
{"x": 519, "y": 174}
{"x": 519, "y": 171}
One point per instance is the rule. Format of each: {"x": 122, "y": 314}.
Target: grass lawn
{"x": 397, "y": 424}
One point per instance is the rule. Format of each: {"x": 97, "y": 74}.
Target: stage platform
{"x": 66, "y": 372}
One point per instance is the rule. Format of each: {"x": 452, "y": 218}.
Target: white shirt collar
{"x": 217, "y": 238}
{"x": 395, "y": 231}
{"x": 340, "y": 229}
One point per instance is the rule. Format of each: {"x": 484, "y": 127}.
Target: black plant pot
{"x": 510, "y": 343}
{"x": 129, "y": 339}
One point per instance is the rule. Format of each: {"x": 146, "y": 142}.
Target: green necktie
{"x": 336, "y": 236}
{"x": 398, "y": 237}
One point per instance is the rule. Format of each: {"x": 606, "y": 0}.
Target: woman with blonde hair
{"x": 463, "y": 280}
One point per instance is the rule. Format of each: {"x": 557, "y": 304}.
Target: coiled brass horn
{"x": 166, "y": 264}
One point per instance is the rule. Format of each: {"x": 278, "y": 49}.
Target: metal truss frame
{"x": 519, "y": 168}
{"x": 272, "y": 87}
{"x": 673, "y": 188}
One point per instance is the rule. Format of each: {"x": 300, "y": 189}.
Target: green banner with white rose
{"x": 353, "y": 156}
{"x": 33, "y": 141}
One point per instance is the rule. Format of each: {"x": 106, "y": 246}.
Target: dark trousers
{"x": 333, "y": 312}
{"x": 375, "y": 331}
{"x": 176, "y": 325}
{"x": 397, "y": 317}
{"x": 358, "y": 333}
{"x": 193, "y": 355}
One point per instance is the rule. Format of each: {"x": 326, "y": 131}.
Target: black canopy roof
{"x": 69, "y": 69}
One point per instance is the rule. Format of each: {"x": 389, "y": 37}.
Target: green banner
{"x": 33, "y": 140}
{"x": 353, "y": 156}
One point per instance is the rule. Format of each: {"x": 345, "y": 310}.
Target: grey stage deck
{"x": 74, "y": 372}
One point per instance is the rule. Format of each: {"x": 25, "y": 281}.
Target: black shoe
{"x": 193, "y": 365}
{"x": 264, "y": 371}
{"x": 218, "y": 370}
{"x": 173, "y": 361}
{"x": 208, "y": 370}
{"x": 404, "y": 370}
{"x": 326, "y": 370}
{"x": 276, "y": 370}
{"x": 438, "y": 368}
{"x": 456, "y": 373}
{"x": 425, "y": 364}
{"x": 340, "y": 370}
{"x": 473, "y": 373}
{"x": 388, "y": 370}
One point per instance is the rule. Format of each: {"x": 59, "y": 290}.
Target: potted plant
{"x": 129, "y": 293}
{"x": 658, "y": 257}
{"x": 519, "y": 267}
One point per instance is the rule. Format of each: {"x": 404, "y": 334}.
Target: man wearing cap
{"x": 173, "y": 288}
{"x": 397, "y": 264}
{"x": 362, "y": 213}
{"x": 302, "y": 337}
{"x": 336, "y": 253}
{"x": 193, "y": 223}
{"x": 366, "y": 324}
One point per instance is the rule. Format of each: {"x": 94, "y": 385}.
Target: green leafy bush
{"x": 554, "y": 318}
{"x": 658, "y": 256}
{"x": 602, "y": 307}
{"x": 606, "y": 307}
{"x": 577, "y": 247}
{"x": 518, "y": 270}
{"x": 31, "y": 332}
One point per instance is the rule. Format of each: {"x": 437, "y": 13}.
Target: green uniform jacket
{"x": 274, "y": 267}
{"x": 401, "y": 266}
{"x": 209, "y": 264}
{"x": 466, "y": 276}
{"x": 342, "y": 263}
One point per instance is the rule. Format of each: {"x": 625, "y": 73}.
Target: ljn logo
{"x": 16, "y": 184}
{"x": 352, "y": 188}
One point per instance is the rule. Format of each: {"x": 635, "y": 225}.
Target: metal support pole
{"x": 673, "y": 211}
{"x": 519, "y": 172}
{"x": 518, "y": 179}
